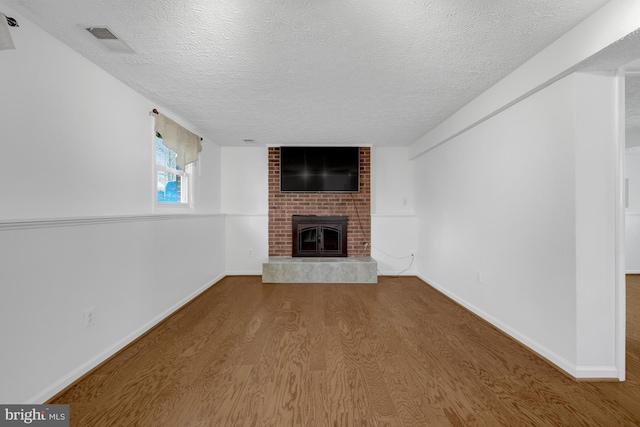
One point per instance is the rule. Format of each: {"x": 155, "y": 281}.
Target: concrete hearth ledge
{"x": 320, "y": 270}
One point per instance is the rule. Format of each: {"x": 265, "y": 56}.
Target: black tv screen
{"x": 320, "y": 169}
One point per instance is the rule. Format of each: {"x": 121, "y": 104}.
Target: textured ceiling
{"x": 632, "y": 95}
{"x": 632, "y": 87}
{"x": 373, "y": 72}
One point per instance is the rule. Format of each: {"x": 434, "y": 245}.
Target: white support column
{"x": 621, "y": 284}
{"x": 596, "y": 198}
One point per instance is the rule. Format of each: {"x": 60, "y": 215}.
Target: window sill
{"x": 160, "y": 208}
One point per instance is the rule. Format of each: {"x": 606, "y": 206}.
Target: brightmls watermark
{"x": 34, "y": 415}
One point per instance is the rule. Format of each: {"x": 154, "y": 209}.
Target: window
{"x": 173, "y": 184}
{"x": 177, "y": 149}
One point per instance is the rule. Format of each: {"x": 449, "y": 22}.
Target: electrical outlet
{"x": 250, "y": 252}
{"x": 479, "y": 277}
{"x": 412, "y": 253}
{"x": 89, "y": 317}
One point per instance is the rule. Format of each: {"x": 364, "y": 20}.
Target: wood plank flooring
{"x": 394, "y": 354}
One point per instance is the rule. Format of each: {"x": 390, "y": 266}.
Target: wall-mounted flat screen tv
{"x": 320, "y": 169}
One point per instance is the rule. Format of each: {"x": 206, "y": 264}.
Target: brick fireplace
{"x": 356, "y": 206}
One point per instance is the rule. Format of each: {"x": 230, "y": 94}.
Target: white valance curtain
{"x": 175, "y": 137}
{"x": 6, "y": 42}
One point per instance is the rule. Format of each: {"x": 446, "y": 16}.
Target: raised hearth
{"x": 320, "y": 270}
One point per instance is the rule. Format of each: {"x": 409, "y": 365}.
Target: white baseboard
{"x": 77, "y": 373}
{"x": 577, "y": 372}
{"x": 597, "y": 372}
{"x": 244, "y": 273}
{"x": 395, "y": 273}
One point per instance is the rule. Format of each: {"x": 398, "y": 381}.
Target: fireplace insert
{"x": 319, "y": 236}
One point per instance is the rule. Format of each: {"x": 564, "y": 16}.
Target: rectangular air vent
{"x": 102, "y": 33}
{"x": 109, "y": 39}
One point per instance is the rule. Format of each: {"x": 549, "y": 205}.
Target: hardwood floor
{"x": 394, "y": 354}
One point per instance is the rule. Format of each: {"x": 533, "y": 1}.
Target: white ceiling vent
{"x": 108, "y": 38}
{"x": 102, "y": 33}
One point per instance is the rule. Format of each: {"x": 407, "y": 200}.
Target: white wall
{"x": 595, "y": 123}
{"x": 392, "y": 181}
{"x": 632, "y": 222}
{"x": 245, "y": 198}
{"x": 498, "y": 200}
{"x": 503, "y": 214}
{"x": 393, "y": 219}
{"x": 244, "y": 173}
{"x": 632, "y": 137}
{"x": 77, "y": 221}
{"x": 134, "y": 273}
